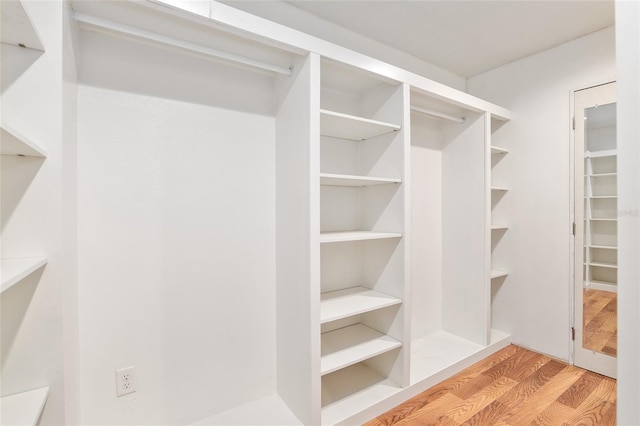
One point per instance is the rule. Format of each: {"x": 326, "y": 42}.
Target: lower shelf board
{"x": 497, "y": 274}
{"x": 23, "y": 408}
{"x": 269, "y": 411}
{"x": 351, "y": 345}
{"x": 335, "y": 305}
{"x": 15, "y": 270}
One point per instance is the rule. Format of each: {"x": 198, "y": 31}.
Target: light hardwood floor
{"x": 600, "y": 315}
{"x": 514, "y": 387}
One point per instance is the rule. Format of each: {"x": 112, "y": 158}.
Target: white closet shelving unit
{"x": 600, "y": 239}
{"x": 350, "y": 254}
{"x": 18, "y": 153}
{"x": 362, "y": 224}
{"x": 495, "y": 156}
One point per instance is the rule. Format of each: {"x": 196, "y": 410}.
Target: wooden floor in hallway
{"x": 514, "y": 387}
{"x": 600, "y": 321}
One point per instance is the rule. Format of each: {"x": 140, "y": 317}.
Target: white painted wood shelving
{"x": 600, "y": 219}
{"x": 351, "y": 127}
{"x": 23, "y": 408}
{"x": 497, "y": 154}
{"x": 352, "y": 301}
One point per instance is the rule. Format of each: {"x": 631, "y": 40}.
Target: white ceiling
{"x": 464, "y": 37}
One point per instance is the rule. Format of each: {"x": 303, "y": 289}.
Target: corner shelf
{"x": 329, "y": 179}
{"x": 338, "y": 237}
{"x": 340, "y": 304}
{"x": 23, "y": 408}
{"x": 13, "y": 143}
{"x": 15, "y": 270}
{"x": 17, "y": 28}
{"x": 498, "y": 151}
{"x": 497, "y": 274}
{"x": 351, "y": 345}
{"x": 351, "y": 127}
{"x": 499, "y": 189}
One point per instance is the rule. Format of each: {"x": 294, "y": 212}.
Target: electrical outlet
{"x": 125, "y": 380}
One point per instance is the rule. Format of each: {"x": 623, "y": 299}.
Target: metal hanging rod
{"x": 437, "y": 114}
{"x": 104, "y": 24}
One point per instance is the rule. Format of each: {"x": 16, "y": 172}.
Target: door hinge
{"x": 573, "y": 229}
{"x": 573, "y": 123}
{"x": 573, "y": 333}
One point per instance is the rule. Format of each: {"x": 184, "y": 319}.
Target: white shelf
{"x": 597, "y": 175}
{"x": 602, "y": 219}
{"x": 603, "y": 247}
{"x": 498, "y": 188}
{"x": 340, "y": 304}
{"x": 338, "y": 237}
{"x": 13, "y": 143}
{"x": 599, "y": 154}
{"x": 499, "y": 227}
{"x": 23, "y": 408}
{"x": 350, "y": 345}
{"x": 15, "y": 270}
{"x": 498, "y": 151}
{"x": 350, "y": 127}
{"x": 604, "y": 265}
{"x": 497, "y": 274}
{"x": 16, "y": 27}
{"x": 602, "y": 196}
{"x": 329, "y": 179}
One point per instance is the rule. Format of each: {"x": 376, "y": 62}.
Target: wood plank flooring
{"x": 600, "y": 321}
{"x": 513, "y": 387}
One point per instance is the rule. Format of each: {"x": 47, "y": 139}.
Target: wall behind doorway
{"x": 533, "y": 304}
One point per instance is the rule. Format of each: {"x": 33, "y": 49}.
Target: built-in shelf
{"x": 604, "y": 264}
{"x": 498, "y": 151}
{"x": 499, "y": 189}
{"x": 598, "y": 175}
{"x": 601, "y": 219}
{"x": 598, "y": 154}
{"x": 351, "y": 127}
{"x": 329, "y": 179}
{"x": 17, "y": 28}
{"x": 350, "y": 345}
{"x": 497, "y": 274}
{"x": 340, "y": 304}
{"x": 337, "y": 237}
{"x": 13, "y": 143}
{"x": 499, "y": 227}
{"x": 15, "y": 270}
{"x": 23, "y": 408}
{"x": 602, "y": 196}
{"x": 602, "y": 247}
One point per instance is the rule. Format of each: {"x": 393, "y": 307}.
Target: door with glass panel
{"x": 596, "y": 229}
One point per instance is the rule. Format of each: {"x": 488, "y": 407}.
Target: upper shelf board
{"x": 17, "y": 28}
{"x": 329, "y": 179}
{"x": 350, "y": 345}
{"x": 338, "y": 237}
{"x": 341, "y": 304}
{"x": 498, "y": 151}
{"x": 13, "y": 143}
{"x": 497, "y": 274}
{"x": 498, "y": 188}
{"x": 351, "y": 127}
{"x": 23, "y": 408}
{"x": 598, "y": 154}
{"x": 15, "y": 270}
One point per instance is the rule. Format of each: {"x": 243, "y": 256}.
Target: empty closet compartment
{"x": 603, "y": 233}
{"x": 602, "y": 208}
{"x": 603, "y": 185}
{"x": 601, "y": 163}
{"x": 603, "y": 257}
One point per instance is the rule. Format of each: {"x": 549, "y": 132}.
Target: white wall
{"x": 628, "y": 54}
{"x": 32, "y": 311}
{"x": 176, "y": 257}
{"x": 533, "y": 303}
{"x": 293, "y": 17}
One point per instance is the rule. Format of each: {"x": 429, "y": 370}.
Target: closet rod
{"x": 437, "y": 114}
{"x": 169, "y": 41}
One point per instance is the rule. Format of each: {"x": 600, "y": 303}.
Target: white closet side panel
{"x": 297, "y": 239}
{"x": 465, "y": 294}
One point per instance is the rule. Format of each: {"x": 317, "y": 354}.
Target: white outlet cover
{"x": 126, "y": 380}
